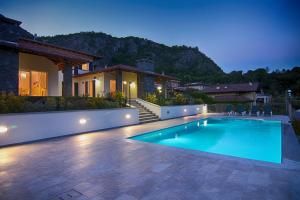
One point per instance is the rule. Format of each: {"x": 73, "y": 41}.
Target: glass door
{"x": 39, "y": 83}
{"x": 24, "y": 83}
{"x": 33, "y": 83}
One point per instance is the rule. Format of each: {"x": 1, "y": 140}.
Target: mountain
{"x": 186, "y": 63}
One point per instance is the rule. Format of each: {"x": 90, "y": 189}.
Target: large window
{"x": 33, "y": 83}
{"x": 112, "y": 86}
{"x": 85, "y": 66}
{"x": 24, "y": 83}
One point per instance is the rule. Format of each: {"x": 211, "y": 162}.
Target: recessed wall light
{"x": 82, "y": 121}
{"x": 3, "y": 129}
{"x": 127, "y": 116}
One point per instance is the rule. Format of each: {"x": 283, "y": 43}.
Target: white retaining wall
{"x": 168, "y": 112}
{"x": 35, "y": 126}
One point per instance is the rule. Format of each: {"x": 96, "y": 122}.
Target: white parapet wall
{"x": 168, "y": 112}
{"x": 27, "y": 127}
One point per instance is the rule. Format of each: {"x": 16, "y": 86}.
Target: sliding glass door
{"x": 33, "y": 83}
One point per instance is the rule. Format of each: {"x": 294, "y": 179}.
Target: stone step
{"x": 148, "y": 121}
{"x": 144, "y": 110}
{"x": 146, "y": 114}
{"x": 148, "y": 117}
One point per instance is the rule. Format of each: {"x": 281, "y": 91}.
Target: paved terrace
{"x": 106, "y": 165}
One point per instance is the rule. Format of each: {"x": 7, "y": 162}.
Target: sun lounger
{"x": 241, "y": 110}
{"x": 229, "y": 110}
{"x": 254, "y": 111}
{"x": 267, "y": 110}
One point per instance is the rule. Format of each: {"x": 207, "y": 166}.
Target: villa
{"x": 242, "y": 92}
{"x": 133, "y": 82}
{"x": 32, "y": 68}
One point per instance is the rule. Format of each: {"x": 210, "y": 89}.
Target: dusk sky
{"x": 237, "y": 35}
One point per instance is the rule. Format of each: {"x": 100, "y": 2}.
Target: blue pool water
{"x": 245, "y": 138}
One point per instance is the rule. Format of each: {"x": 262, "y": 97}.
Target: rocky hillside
{"x": 186, "y": 63}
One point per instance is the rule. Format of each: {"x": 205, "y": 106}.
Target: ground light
{"x": 184, "y": 110}
{"x": 205, "y": 123}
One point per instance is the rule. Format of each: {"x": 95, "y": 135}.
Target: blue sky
{"x": 237, "y": 35}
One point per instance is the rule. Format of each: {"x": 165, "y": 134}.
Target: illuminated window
{"x": 24, "y": 83}
{"x": 85, "y": 66}
{"x": 33, "y": 83}
{"x": 112, "y": 86}
{"x": 38, "y": 83}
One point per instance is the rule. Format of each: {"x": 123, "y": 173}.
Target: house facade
{"x": 32, "y": 68}
{"x": 132, "y": 82}
{"x": 196, "y": 85}
{"x": 243, "y": 92}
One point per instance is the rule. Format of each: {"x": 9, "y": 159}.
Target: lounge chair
{"x": 267, "y": 110}
{"x": 241, "y": 110}
{"x": 229, "y": 110}
{"x": 254, "y": 111}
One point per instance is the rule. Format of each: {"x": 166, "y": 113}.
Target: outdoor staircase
{"x": 145, "y": 115}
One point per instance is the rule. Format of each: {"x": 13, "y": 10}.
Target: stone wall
{"x": 12, "y": 31}
{"x": 145, "y": 65}
{"x": 9, "y": 70}
{"x": 67, "y": 79}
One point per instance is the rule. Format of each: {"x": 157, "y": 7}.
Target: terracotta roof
{"x": 128, "y": 69}
{"x": 227, "y": 88}
{"x": 53, "y": 52}
{"x": 232, "y": 98}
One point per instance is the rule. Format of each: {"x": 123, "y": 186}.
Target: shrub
{"x": 198, "y": 101}
{"x": 13, "y": 104}
{"x": 180, "y": 99}
{"x": 151, "y": 98}
{"x": 196, "y": 94}
{"x": 120, "y": 99}
{"x": 296, "y": 125}
{"x": 50, "y": 103}
{"x": 3, "y": 104}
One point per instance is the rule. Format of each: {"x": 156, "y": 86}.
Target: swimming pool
{"x": 245, "y": 138}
